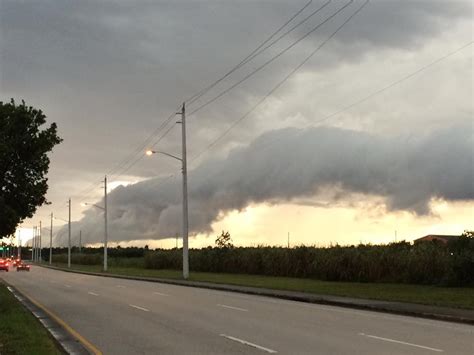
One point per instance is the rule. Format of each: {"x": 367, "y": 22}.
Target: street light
{"x": 185, "y": 189}
{"x": 105, "y": 220}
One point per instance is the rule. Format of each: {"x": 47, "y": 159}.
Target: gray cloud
{"x": 121, "y": 66}
{"x": 108, "y": 72}
{"x": 291, "y": 164}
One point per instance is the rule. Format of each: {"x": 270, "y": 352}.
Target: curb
{"x": 392, "y": 307}
{"x": 65, "y": 340}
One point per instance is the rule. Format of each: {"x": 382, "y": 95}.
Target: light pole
{"x": 40, "y": 236}
{"x": 51, "y": 240}
{"x": 105, "y": 221}
{"x": 19, "y": 244}
{"x": 69, "y": 236}
{"x": 33, "y": 246}
{"x": 185, "y": 189}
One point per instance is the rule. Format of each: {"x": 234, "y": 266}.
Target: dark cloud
{"x": 109, "y": 72}
{"x": 290, "y": 164}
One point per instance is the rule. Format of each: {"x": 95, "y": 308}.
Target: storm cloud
{"x": 288, "y": 164}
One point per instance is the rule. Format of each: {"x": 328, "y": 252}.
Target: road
{"x": 137, "y": 317}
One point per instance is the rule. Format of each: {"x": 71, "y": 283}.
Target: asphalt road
{"x": 137, "y": 317}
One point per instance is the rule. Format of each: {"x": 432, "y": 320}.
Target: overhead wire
{"x": 203, "y": 91}
{"x": 246, "y": 77}
{"x": 280, "y": 83}
{"x": 125, "y": 163}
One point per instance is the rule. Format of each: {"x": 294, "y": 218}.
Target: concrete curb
{"x": 399, "y": 308}
{"x": 66, "y": 342}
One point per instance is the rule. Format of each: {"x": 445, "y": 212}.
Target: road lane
{"x": 190, "y": 320}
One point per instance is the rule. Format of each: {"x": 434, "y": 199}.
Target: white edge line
{"x": 401, "y": 342}
{"x": 69, "y": 286}
{"x": 249, "y": 343}
{"x": 93, "y": 293}
{"x": 232, "y": 307}
{"x": 140, "y": 308}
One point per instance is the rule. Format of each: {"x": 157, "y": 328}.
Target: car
{"x": 22, "y": 266}
{"x": 4, "y": 265}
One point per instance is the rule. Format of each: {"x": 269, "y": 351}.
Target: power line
{"x": 123, "y": 164}
{"x": 270, "y": 60}
{"x": 287, "y": 32}
{"x": 355, "y": 103}
{"x": 279, "y": 84}
{"x": 142, "y": 155}
{"x": 199, "y": 94}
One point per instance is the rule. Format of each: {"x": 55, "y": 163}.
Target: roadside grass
{"x": 456, "y": 297}
{"x": 20, "y": 331}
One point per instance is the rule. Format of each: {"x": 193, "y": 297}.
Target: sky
{"x": 360, "y": 133}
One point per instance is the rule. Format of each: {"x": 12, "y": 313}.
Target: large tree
{"x": 24, "y": 162}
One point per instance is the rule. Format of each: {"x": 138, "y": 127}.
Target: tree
{"x": 24, "y": 162}
{"x": 224, "y": 240}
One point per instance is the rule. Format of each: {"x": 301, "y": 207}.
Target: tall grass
{"x": 430, "y": 263}
{"x": 423, "y": 263}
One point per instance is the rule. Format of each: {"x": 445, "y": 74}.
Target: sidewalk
{"x": 401, "y": 308}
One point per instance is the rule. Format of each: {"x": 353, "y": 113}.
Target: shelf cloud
{"x": 291, "y": 164}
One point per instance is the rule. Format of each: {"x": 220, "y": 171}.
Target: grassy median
{"x": 456, "y": 297}
{"x": 20, "y": 332}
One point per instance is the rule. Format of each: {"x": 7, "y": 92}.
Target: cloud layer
{"x": 289, "y": 165}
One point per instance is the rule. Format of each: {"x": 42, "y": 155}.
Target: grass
{"x": 456, "y": 297}
{"x": 20, "y": 331}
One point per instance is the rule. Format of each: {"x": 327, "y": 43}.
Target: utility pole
{"x": 105, "y": 226}
{"x": 19, "y": 244}
{"x": 185, "y": 195}
{"x": 51, "y": 240}
{"x": 80, "y": 241}
{"x": 69, "y": 237}
{"x": 288, "y": 240}
{"x": 176, "y": 240}
{"x": 40, "y": 236}
{"x": 33, "y": 246}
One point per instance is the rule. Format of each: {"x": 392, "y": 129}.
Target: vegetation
{"x": 24, "y": 163}
{"x": 20, "y": 331}
{"x": 457, "y": 297}
{"x": 426, "y": 263}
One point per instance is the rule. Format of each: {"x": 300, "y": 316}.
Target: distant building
{"x": 439, "y": 237}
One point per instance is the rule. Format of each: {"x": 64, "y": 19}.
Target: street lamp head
{"x": 149, "y": 152}
{"x": 84, "y": 204}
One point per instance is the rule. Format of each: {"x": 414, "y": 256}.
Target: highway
{"x": 137, "y": 317}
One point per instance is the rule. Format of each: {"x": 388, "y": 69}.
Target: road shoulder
{"x": 67, "y": 338}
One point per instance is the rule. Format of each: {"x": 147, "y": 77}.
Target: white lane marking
{"x": 68, "y": 286}
{"x": 371, "y": 314}
{"x": 249, "y": 343}
{"x": 401, "y": 342}
{"x": 93, "y": 293}
{"x": 120, "y": 286}
{"x": 140, "y": 308}
{"x": 232, "y": 307}
{"x": 160, "y": 294}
